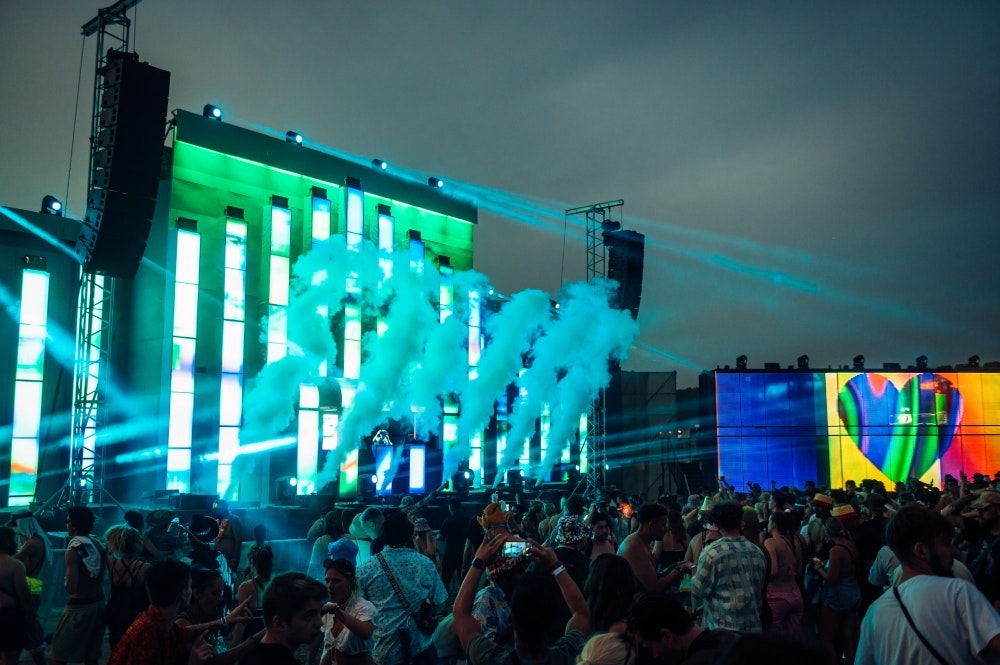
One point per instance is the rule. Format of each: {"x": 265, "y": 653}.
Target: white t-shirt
{"x": 952, "y": 614}
{"x": 348, "y": 642}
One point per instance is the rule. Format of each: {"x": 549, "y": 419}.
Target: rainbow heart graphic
{"x": 902, "y": 432}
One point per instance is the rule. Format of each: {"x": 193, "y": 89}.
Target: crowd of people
{"x": 853, "y": 575}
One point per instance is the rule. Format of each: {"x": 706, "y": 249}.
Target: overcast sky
{"x": 812, "y": 178}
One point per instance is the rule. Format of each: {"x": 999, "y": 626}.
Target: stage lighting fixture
{"x": 741, "y": 362}
{"x": 921, "y": 362}
{"x": 284, "y": 490}
{"x": 859, "y": 362}
{"x": 380, "y": 164}
{"x": 609, "y": 225}
{"x": 52, "y": 206}
{"x": 973, "y": 361}
{"x": 803, "y": 362}
{"x": 435, "y": 182}
{"x": 213, "y": 112}
{"x": 293, "y": 137}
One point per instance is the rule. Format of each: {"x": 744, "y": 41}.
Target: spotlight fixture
{"x": 973, "y": 361}
{"x": 293, "y": 137}
{"x": 52, "y": 206}
{"x": 213, "y": 112}
{"x": 435, "y": 182}
{"x": 921, "y": 362}
{"x": 380, "y": 164}
{"x": 803, "y": 361}
{"x": 741, "y": 362}
{"x": 859, "y": 362}
{"x": 609, "y": 225}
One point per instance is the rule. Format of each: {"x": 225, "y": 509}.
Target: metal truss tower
{"x": 95, "y": 304}
{"x": 599, "y": 218}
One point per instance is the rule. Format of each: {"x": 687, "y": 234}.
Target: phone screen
{"x": 514, "y": 548}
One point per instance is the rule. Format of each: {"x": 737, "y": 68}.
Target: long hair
{"x": 610, "y": 590}
{"x": 123, "y": 541}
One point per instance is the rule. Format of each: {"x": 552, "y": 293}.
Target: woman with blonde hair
{"x": 608, "y": 649}
{"x": 127, "y": 575}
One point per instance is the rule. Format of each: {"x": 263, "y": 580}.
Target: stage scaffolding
{"x": 599, "y": 218}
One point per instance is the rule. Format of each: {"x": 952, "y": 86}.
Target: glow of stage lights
{"x": 293, "y": 481}
{"x": 293, "y": 137}
{"x": 212, "y": 111}
{"x": 435, "y": 182}
{"x": 380, "y": 164}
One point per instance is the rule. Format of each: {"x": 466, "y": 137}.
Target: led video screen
{"x": 831, "y": 427}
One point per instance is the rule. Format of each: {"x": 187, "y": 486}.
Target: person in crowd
{"x": 608, "y": 649}
{"x": 127, "y": 576}
{"x": 366, "y": 528}
{"x": 869, "y": 537}
{"x": 397, "y": 639}
{"x": 259, "y": 542}
{"x": 424, "y": 541}
{"x": 985, "y": 558}
{"x": 602, "y": 540}
{"x": 929, "y": 617}
{"x": 207, "y": 605}
{"x": 80, "y": 631}
{"x": 637, "y": 549}
{"x": 229, "y": 541}
{"x": 452, "y": 536}
{"x": 292, "y": 613}
{"x": 153, "y": 638}
{"x": 821, "y": 506}
{"x": 532, "y": 605}
{"x": 34, "y": 552}
{"x": 841, "y": 595}
{"x": 571, "y": 537}
{"x": 251, "y": 593}
{"x": 729, "y": 582}
{"x": 204, "y": 531}
{"x": 532, "y": 518}
{"x": 786, "y": 553}
{"x": 491, "y": 607}
{"x": 134, "y": 519}
{"x": 163, "y": 538}
{"x": 705, "y": 531}
{"x": 414, "y": 509}
{"x": 609, "y": 589}
{"x": 670, "y": 549}
{"x": 348, "y": 623}
{"x": 665, "y": 628}
{"x": 332, "y": 531}
{"x": 549, "y": 521}
{"x": 17, "y": 610}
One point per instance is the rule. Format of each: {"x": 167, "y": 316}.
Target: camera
{"x": 514, "y": 548}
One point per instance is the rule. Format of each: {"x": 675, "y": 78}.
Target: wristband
{"x": 478, "y": 563}
{"x": 558, "y": 570}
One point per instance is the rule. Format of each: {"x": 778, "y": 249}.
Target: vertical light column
{"x": 475, "y": 352}
{"x": 446, "y": 292}
{"x": 28, "y": 382}
{"x": 386, "y": 244}
{"x": 584, "y": 462}
{"x": 354, "y": 232}
{"x": 309, "y": 439}
{"x": 233, "y": 331}
{"x": 185, "y": 332}
{"x": 320, "y": 208}
{"x": 279, "y": 263}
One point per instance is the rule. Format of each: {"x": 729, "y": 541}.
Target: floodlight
{"x": 435, "y": 182}
{"x": 293, "y": 137}
{"x": 921, "y": 362}
{"x": 609, "y": 225}
{"x": 859, "y": 362}
{"x": 213, "y": 112}
{"x": 741, "y": 362}
{"x": 52, "y": 206}
{"x": 803, "y": 361}
{"x": 974, "y": 361}
{"x": 380, "y": 164}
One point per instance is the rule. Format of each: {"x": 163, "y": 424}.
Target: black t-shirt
{"x": 708, "y": 646}
{"x": 268, "y": 654}
{"x": 475, "y": 533}
{"x": 452, "y": 533}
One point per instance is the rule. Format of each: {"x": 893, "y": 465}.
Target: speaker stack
{"x": 126, "y": 173}
{"x": 626, "y": 251}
